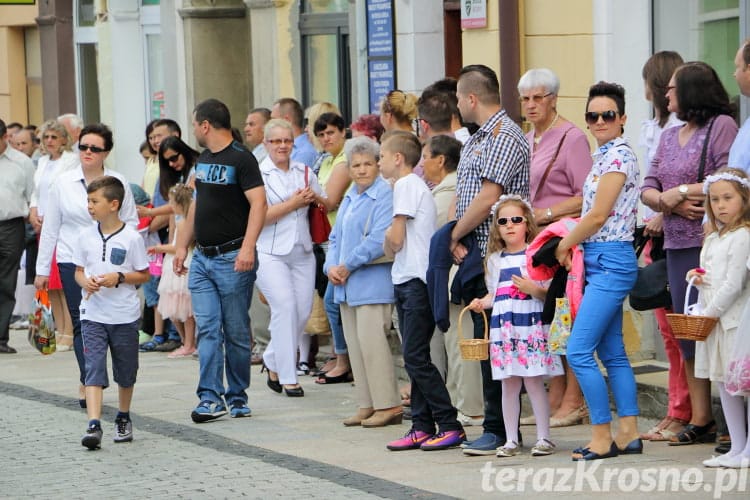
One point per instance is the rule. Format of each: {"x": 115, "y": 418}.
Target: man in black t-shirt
{"x": 224, "y": 221}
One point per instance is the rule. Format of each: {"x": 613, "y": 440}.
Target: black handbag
{"x": 651, "y": 289}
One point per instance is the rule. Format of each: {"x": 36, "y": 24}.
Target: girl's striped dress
{"x": 518, "y": 339}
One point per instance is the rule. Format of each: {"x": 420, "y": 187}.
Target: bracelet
{"x": 549, "y": 215}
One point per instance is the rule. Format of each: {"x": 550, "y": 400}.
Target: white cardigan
{"x": 280, "y": 237}
{"x": 67, "y": 162}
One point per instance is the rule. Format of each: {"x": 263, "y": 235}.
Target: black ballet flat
{"x": 635, "y": 447}
{"x": 587, "y": 454}
{"x": 294, "y": 392}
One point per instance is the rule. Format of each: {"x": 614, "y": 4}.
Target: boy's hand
{"x": 109, "y": 280}
{"x": 91, "y": 285}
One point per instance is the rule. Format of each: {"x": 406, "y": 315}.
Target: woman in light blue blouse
{"x": 610, "y": 200}
{"x": 363, "y": 287}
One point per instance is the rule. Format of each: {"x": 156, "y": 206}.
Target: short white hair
{"x": 73, "y": 120}
{"x": 361, "y": 145}
{"x": 277, "y": 123}
{"x": 539, "y": 77}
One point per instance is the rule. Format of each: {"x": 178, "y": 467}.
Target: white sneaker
{"x": 713, "y": 461}
{"x": 468, "y": 421}
{"x": 738, "y": 461}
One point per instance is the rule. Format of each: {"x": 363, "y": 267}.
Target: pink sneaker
{"x": 411, "y": 441}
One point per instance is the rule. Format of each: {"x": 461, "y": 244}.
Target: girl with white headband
{"x": 724, "y": 291}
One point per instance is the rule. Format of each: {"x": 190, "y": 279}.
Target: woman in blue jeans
{"x": 610, "y": 198}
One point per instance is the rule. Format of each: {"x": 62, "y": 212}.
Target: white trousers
{"x": 287, "y": 281}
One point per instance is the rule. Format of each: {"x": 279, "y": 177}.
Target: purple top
{"x": 674, "y": 165}
{"x": 567, "y": 175}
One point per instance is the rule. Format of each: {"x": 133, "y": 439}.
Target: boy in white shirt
{"x": 408, "y": 240}
{"x": 110, "y": 260}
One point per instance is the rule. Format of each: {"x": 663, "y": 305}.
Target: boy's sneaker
{"x": 444, "y": 440}
{"x": 208, "y": 410}
{"x": 411, "y": 441}
{"x": 93, "y": 437}
{"x": 123, "y": 430}
{"x": 486, "y": 444}
{"x": 239, "y": 410}
{"x": 168, "y": 345}
{"x": 150, "y": 346}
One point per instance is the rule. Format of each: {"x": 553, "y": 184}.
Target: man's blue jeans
{"x": 221, "y": 299}
{"x": 611, "y": 271}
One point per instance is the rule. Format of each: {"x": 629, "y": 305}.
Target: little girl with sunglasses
{"x": 519, "y": 353}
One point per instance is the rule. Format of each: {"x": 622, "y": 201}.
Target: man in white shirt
{"x": 16, "y": 186}
{"x": 255, "y": 123}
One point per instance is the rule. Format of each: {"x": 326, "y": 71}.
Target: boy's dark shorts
{"x": 122, "y": 341}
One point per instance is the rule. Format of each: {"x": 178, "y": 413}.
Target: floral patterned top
{"x": 614, "y": 156}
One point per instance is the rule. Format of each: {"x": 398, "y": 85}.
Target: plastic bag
{"x": 42, "y": 325}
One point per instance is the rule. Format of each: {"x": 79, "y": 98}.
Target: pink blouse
{"x": 567, "y": 175}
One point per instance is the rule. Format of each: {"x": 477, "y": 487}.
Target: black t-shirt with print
{"x": 221, "y": 180}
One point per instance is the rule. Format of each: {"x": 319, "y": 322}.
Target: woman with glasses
{"x": 560, "y": 162}
{"x": 66, "y": 215}
{"x": 286, "y": 265}
{"x": 398, "y": 111}
{"x": 57, "y": 159}
{"x": 674, "y": 187}
{"x": 605, "y": 231}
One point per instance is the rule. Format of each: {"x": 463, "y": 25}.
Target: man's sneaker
{"x": 208, "y": 410}
{"x": 444, "y": 440}
{"x": 411, "y": 441}
{"x": 486, "y": 444}
{"x": 239, "y": 410}
{"x": 168, "y": 345}
{"x": 123, "y": 430}
{"x": 93, "y": 437}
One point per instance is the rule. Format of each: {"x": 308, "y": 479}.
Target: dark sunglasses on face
{"x": 516, "y": 219}
{"x": 88, "y": 147}
{"x": 593, "y": 117}
{"x": 172, "y": 159}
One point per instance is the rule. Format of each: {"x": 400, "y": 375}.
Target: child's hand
{"x": 108, "y": 280}
{"x": 696, "y": 273}
{"x": 153, "y": 250}
{"x": 526, "y": 285}
{"x": 476, "y": 305}
{"x": 91, "y": 286}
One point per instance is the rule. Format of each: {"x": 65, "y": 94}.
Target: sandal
{"x": 338, "y": 379}
{"x": 653, "y": 433}
{"x": 693, "y": 434}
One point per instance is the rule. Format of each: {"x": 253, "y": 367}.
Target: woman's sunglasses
{"x": 172, "y": 159}
{"x": 593, "y": 117}
{"x": 93, "y": 149}
{"x": 516, "y": 219}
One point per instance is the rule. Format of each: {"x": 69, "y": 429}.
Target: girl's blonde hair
{"x": 182, "y": 195}
{"x": 496, "y": 243}
{"x": 743, "y": 220}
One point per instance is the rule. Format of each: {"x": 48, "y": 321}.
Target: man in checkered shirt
{"x": 494, "y": 161}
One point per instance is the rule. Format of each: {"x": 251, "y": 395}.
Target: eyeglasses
{"x": 516, "y": 219}
{"x": 172, "y": 159}
{"x": 524, "y": 99}
{"x": 593, "y": 117}
{"x": 279, "y": 142}
{"x": 88, "y": 147}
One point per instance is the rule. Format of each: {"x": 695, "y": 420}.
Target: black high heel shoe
{"x": 294, "y": 392}
{"x": 274, "y": 385}
{"x": 635, "y": 447}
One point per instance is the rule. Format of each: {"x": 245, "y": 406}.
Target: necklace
{"x": 539, "y": 137}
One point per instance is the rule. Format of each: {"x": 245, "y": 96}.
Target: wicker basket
{"x": 474, "y": 349}
{"x": 688, "y": 326}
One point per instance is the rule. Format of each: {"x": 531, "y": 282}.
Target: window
{"x": 326, "y": 69}
{"x": 87, "y": 91}
{"x": 702, "y": 30}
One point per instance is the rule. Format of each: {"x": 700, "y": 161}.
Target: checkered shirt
{"x": 498, "y": 152}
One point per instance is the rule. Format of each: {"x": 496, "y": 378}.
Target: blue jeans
{"x": 430, "y": 401}
{"x": 72, "y": 293}
{"x": 611, "y": 271}
{"x": 333, "y": 311}
{"x": 221, "y": 299}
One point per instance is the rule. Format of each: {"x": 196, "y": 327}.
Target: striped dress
{"x": 518, "y": 339}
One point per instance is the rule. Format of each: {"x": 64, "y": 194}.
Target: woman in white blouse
{"x": 286, "y": 265}
{"x": 57, "y": 159}
{"x": 66, "y": 215}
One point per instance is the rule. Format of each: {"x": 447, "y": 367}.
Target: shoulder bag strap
{"x": 552, "y": 162}
{"x": 702, "y": 165}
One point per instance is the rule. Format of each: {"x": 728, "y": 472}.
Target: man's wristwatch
{"x": 120, "y": 279}
{"x": 683, "y": 190}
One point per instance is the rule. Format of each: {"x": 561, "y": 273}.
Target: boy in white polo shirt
{"x": 408, "y": 239}
{"x": 110, "y": 260}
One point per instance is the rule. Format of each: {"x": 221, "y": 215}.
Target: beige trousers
{"x": 366, "y": 331}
